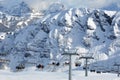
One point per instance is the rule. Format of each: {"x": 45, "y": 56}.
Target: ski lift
{"x": 20, "y": 67}
{"x": 77, "y": 62}
{"x": 66, "y": 63}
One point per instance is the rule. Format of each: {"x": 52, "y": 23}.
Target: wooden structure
{"x": 4, "y": 60}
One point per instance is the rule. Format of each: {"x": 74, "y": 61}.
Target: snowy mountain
{"x": 32, "y": 38}
{"x": 20, "y": 9}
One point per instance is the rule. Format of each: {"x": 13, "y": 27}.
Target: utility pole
{"x": 118, "y": 67}
{"x": 70, "y": 62}
{"x": 86, "y": 64}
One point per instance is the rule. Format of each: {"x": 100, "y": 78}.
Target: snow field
{"x": 39, "y": 75}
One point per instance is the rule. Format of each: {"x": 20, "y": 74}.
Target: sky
{"x": 43, "y": 4}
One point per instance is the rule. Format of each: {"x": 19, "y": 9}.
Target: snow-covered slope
{"x": 37, "y": 75}
{"x": 33, "y": 38}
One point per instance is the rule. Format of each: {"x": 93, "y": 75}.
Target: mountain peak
{"x": 20, "y": 9}
{"x": 23, "y": 4}
{"x": 56, "y": 7}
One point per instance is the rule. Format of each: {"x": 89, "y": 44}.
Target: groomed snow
{"x": 39, "y": 75}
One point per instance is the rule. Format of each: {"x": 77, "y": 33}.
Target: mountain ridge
{"x": 42, "y": 39}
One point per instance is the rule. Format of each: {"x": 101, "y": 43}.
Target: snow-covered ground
{"x": 39, "y": 75}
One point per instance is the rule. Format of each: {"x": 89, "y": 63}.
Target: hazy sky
{"x": 42, "y": 4}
